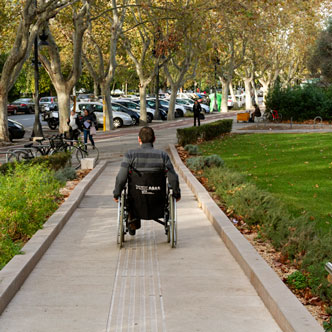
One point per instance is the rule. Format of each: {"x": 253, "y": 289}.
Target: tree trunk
{"x": 233, "y": 94}
{"x": 64, "y": 108}
{"x": 95, "y": 89}
{"x": 3, "y": 117}
{"x": 224, "y": 100}
{"x": 172, "y": 102}
{"x": 248, "y": 93}
{"x": 142, "y": 97}
{"x": 265, "y": 88}
{"x": 108, "y": 107}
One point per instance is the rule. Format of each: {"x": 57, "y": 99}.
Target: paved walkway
{"x": 85, "y": 283}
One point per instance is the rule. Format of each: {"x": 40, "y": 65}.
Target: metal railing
{"x": 328, "y": 267}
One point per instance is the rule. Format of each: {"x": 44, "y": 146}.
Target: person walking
{"x": 145, "y": 159}
{"x": 75, "y": 126}
{"x": 197, "y": 109}
{"x": 88, "y": 124}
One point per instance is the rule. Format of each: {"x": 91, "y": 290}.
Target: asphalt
{"x": 213, "y": 281}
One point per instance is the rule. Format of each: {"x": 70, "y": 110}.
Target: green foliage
{"x": 296, "y": 237}
{"x": 192, "y": 149}
{"x": 301, "y": 103}
{"x": 297, "y": 280}
{"x": 54, "y": 162}
{"x": 64, "y": 174}
{"x": 328, "y": 325}
{"x": 199, "y": 163}
{"x": 206, "y": 132}
{"x": 321, "y": 59}
{"x": 27, "y": 197}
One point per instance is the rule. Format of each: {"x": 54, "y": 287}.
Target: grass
{"x": 296, "y": 168}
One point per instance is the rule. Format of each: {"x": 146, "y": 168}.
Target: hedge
{"x": 54, "y": 162}
{"x": 301, "y": 103}
{"x": 206, "y": 132}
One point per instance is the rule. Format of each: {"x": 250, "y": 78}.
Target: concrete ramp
{"x": 85, "y": 283}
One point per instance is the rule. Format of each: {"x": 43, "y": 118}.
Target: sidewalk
{"x": 85, "y": 283}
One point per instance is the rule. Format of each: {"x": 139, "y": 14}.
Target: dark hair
{"x": 146, "y": 134}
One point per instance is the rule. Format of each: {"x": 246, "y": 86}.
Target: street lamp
{"x": 37, "y": 127}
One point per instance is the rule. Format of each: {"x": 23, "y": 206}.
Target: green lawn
{"x": 297, "y": 168}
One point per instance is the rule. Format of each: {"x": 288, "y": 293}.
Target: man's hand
{"x": 116, "y": 200}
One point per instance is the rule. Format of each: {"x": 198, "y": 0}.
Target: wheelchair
{"x": 147, "y": 196}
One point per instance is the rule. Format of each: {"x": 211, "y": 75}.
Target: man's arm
{"x": 173, "y": 178}
{"x": 122, "y": 176}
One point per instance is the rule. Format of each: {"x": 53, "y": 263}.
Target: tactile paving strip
{"x": 137, "y": 300}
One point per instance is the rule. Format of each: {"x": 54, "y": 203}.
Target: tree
{"x": 65, "y": 71}
{"x": 99, "y": 59}
{"x": 321, "y": 59}
{"x": 30, "y": 20}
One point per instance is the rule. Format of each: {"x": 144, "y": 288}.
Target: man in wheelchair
{"x": 140, "y": 167}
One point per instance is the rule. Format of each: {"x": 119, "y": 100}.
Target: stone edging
{"x": 286, "y": 309}
{"x": 13, "y": 275}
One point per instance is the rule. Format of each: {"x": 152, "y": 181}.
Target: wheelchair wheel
{"x": 121, "y": 221}
{"x": 173, "y": 224}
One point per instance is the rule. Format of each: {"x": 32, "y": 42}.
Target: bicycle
{"x": 272, "y": 116}
{"x": 83, "y": 150}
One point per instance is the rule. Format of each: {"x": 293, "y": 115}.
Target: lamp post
{"x": 37, "y": 127}
{"x": 215, "y": 107}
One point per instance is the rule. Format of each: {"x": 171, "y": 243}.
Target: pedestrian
{"x": 145, "y": 159}
{"x": 75, "y": 126}
{"x": 88, "y": 124}
{"x": 256, "y": 113}
{"x": 197, "y": 111}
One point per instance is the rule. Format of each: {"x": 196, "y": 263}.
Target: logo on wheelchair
{"x": 148, "y": 190}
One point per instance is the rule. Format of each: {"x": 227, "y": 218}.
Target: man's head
{"x": 146, "y": 135}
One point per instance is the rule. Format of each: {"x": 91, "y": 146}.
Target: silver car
{"x": 119, "y": 118}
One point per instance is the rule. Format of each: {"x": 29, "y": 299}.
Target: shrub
{"x": 196, "y": 163}
{"x": 206, "y": 131}
{"x": 199, "y": 163}
{"x": 192, "y": 149}
{"x": 27, "y": 197}
{"x": 296, "y": 237}
{"x": 300, "y": 103}
{"x": 297, "y": 280}
{"x": 64, "y": 174}
{"x": 54, "y": 162}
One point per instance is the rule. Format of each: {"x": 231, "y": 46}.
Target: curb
{"x": 283, "y": 305}
{"x": 13, "y": 275}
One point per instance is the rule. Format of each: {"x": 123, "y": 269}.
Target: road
{"x": 27, "y": 120}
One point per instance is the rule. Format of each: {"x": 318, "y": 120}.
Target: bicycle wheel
{"x": 80, "y": 154}
{"x": 18, "y": 155}
{"x": 278, "y": 118}
{"x": 173, "y": 223}
{"x": 266, "y": 116}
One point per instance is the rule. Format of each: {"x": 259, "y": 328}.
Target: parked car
{"x": 120, "y": 108}
{"x": 190, "y": 103}
{"x": 85, "y": 97}
{"x": 26, "y": 105}
{"x": 48, "y": 104}
{"x": 119, "y": 118}
{"x": 12, "y": 109}
{"x": 179, "y": 111}
{"x": 16, "y": 130}
{"x": 150, "y": 109}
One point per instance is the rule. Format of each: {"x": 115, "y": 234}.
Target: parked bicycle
{"x": 272, "y": 116}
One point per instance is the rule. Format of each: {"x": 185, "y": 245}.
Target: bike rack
{"x": 318, "y": 118}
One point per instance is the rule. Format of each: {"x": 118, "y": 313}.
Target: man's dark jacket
{"x": 147, "y": 159}
{"x": 197, "y": 108}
